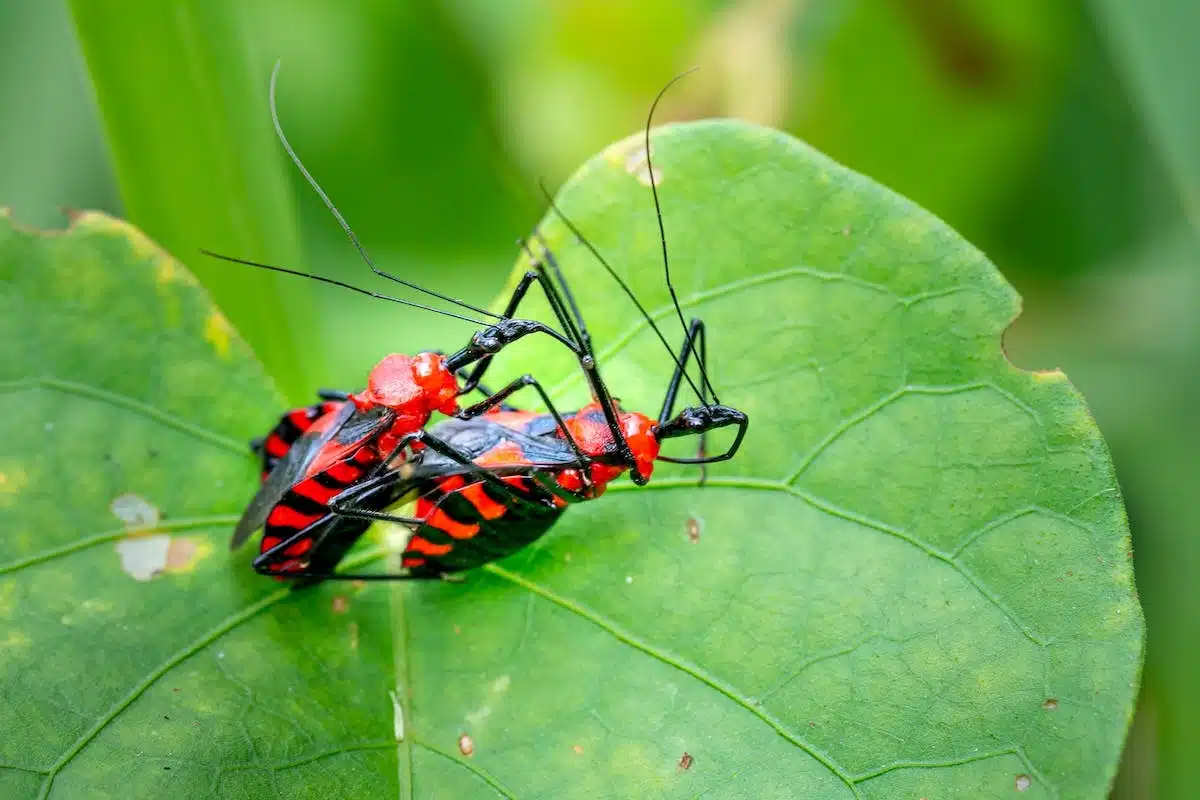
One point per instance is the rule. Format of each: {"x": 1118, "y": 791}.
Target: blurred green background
{"x": 1062, "y": 138}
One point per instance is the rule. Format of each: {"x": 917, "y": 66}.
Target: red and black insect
{"x": 401, "y": 395}
{"x": 488, "y": 485}
{"x": 291, "y": 426}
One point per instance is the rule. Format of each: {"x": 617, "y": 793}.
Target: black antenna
{"x": 342, "y": 284}
{"x": 342, "y": 220}
{"x": 662, "y": 233}
{"x": 625, "y": 288}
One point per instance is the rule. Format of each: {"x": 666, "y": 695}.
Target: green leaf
{"x": 185, "y": 113}
{"x": 912, "y": 581}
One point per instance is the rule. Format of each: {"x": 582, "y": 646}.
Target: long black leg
{"x": 695, "y": 333}
{"x": 572, "y": 319}
{"x": 366, "y": 576}
{"x": 485, "y": 391}
{"x": 332, "y": 394}
{"x": 694, "y": 341}
{"x": 503, "y": 490}
{"x": 535, "y": 275}
{"x": 267, "y": 559}
{"x": 588, "y": 364}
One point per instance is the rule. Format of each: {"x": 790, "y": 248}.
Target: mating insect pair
{"x": 487, "y": 482}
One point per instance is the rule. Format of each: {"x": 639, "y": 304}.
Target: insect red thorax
{"x": 412, "y": 387}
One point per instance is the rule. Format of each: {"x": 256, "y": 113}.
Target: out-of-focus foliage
{"x": 1059, "y": 137}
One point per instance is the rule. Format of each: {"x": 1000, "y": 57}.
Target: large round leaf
{"x": 913, "y": 580}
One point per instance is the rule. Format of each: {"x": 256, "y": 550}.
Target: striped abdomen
{"x": 303, "y": 514}
{"x": 467, "y": 523}
{"x": 291, "y": 426}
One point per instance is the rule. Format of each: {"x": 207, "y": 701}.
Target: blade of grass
{"x": 1153, "y": 46}
{"x": 197, "y": 162}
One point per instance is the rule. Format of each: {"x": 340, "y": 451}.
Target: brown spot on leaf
{"x": 1050, "y": 704}
{"x": 466, "y": 745}
{"x": 578, "y": 750}
{"x": 685, "y": 761}
{"x": 693, "y": 526}
{"x": 182, "y": 553}
{"x": 340, "y": 604}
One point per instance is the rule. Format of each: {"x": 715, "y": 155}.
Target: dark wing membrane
{"x": 359, "y": 426}
{"x": 474, "y": 438}
{"x": 287, "y": 472}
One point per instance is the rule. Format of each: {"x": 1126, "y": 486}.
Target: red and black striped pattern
{"x": 303, "y": 515}
{"x": 467, "y": 523}
{"x": 291, "y": 426}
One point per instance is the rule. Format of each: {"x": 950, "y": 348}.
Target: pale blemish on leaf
{"x": 340, "y": 604}
{"x": 134, "y": 511}
{"x": 1023, "y": 782}
{"x": 167, "y": 270}
{"x": 144, "y": 558}
{"x": 1051, "y": 704}
{"x": 630, "y": 155}
{"x": 910, "y": 228}
{"x": 638, "y": 165}
{"x": 477, "y": 717}
{"x": 501, "y": 684}
{"x": 13, "y": 480}
{"x": 466, "y": 745}
{"x": 397, "y": 716}
{"x": 14, "y": 640}
{"x": 218, "y": 332}
{"x": 6, "y": 598}
{"x": 86, "y": 609}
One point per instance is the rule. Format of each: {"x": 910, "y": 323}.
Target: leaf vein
{"x": 129, "y": 404}
{"x": 183, "y": 524}
{"x": 478, "y": 772}
{"x": 850, "y": 516}
{"x": 678, "y": 663}
{"x": 191, "y": 649}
